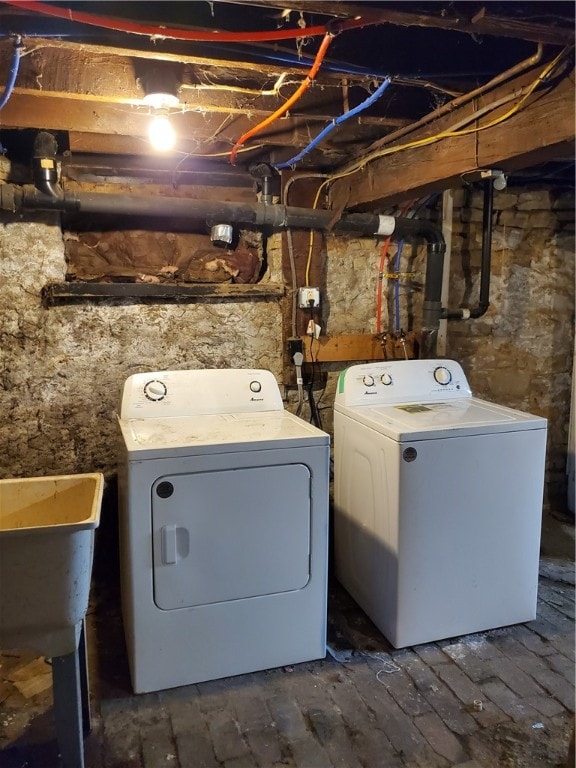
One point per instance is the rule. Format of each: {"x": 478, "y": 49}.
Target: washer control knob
{"x": 155, "y": 390}
{"x": 442, "y": 375}
{"x": 368, "y": 381}
{"x": 386, "y": 379}
{"x": 255, "y": 386}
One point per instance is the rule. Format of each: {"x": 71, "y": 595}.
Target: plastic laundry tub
{"x": 46, "y": 551}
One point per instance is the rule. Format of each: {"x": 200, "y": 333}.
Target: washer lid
{"x": 433, "y": 420}
{"x": 218, "y": 433}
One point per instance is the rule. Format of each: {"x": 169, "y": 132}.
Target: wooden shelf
{"x": 68, "y": 293}
{"x": 361, "y": 346}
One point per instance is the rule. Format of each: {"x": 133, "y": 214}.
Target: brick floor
{"x": 499, "y": 698}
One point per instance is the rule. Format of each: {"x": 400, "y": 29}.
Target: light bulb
{"x": 500, "y": 182}
{"x": 161, "y": 133}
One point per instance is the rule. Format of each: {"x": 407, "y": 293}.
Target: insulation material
{"x": 158, "y": 257}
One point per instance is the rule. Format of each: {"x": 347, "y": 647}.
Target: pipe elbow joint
{"x": 480, "y": 310}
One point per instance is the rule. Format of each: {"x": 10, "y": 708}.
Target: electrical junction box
{"x": 308, "y": 298}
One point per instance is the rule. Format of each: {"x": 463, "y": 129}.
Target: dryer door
{"x": 230, "y": 534}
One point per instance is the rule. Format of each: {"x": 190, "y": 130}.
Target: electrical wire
{"x": 311, "y": 238}
{"x": 458, "y": 128}
{"x": 13, "y": 72}
{"x": 337, "y": 121}
{"x": 294, "y": 280}
{"x": 450, "y": 107}
{"x": 292, "y": 100}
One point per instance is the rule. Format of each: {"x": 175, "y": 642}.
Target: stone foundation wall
{"x": 520, "y": 352}
{"x": 62, "y": 369}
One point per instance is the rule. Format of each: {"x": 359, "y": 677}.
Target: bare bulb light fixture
{"x": 160, "y": 87}
{"x": 161, "y": 132}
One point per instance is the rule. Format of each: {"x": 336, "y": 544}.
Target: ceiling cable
{"x": 458, "y": 129}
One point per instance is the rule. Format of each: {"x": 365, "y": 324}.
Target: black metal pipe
{"x": 44, "y": 168}
{"x": 145, "y": 207}
{"x": 485, "y": 262}
{"x": 487, "y": 213}
{"x": 14, "y": 198}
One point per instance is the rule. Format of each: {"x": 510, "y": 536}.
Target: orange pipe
{"x": 292, "y": 100}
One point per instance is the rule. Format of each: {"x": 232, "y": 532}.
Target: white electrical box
{"x": 308, "y": 298}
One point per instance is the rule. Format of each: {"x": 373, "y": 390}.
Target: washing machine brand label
{"x": 256, "y": 399}
{"x": 373, "y": 392}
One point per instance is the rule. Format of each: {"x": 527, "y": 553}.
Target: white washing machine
{"x": 438, "y": 502}
{"x": 223, "y": 527}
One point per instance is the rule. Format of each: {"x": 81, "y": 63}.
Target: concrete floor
{"x": 499, "y": 698}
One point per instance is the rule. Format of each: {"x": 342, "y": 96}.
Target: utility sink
{"x": 46, "y": 551}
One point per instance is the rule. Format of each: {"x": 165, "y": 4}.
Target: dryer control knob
{"x": 255, "y": 386}
{"x": 155, "y": 390}
{"x": 368, "y": 381}
{"x": 442, "y": 375}
{"x": 386, "y": 379}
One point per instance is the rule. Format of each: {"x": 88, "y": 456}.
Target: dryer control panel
{"x": 161, "y": 394}
{"x": 402, "y": 381}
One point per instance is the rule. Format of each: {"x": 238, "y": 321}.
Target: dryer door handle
{"x": 169, "y": 551}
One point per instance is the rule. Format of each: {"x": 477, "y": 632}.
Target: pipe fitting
{"x": 44, "y": 168}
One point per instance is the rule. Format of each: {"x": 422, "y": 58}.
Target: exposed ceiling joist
{"x": 543, "y": 129}
{"x": 144, "y": 50}
{"x": 480, "y": 23}
{"x": 85, "y": 83}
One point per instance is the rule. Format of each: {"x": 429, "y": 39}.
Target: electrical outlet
{"x": 295, "y": 345}
{"x": 308, "y": 298}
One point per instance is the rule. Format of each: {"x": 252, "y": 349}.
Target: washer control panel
{"x": 402, "y": 381}
{"x": 207, "y": 391}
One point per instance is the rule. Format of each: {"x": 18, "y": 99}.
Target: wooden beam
{"x": 482, "y": 23}
{"x": 173, "y": 171}
{"x": 38, "y": 110}
{"x": 541, "y": 129}
{"x": 123, "y": 128}
{"x": 109, "y": 79}
{"x": 153, "y": 52}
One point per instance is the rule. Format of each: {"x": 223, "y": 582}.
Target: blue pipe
{"x": 337, "y": 121}
{"x": 13, "y": 74}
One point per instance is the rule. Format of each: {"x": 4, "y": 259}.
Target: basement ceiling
{"x": 84, "y": 67}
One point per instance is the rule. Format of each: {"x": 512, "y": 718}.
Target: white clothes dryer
{"x": 223, "y": 527}
{"x": 438, "y": 501}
